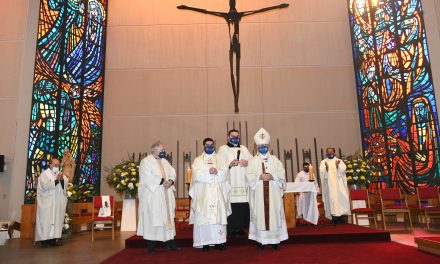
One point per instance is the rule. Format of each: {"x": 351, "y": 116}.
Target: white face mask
{"x": 55, "y": 170}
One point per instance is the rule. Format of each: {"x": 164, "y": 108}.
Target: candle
{"x": 188, "y": 175}
{"x": 311, "y": 173}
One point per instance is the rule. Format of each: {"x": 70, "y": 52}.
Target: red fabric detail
{"x": 359, "y": 194}
{"x": 428, "y": 193}
{"x": 363, "y": 210}
{"x": 390, "y": 194}
{"x": 395, "y": 206}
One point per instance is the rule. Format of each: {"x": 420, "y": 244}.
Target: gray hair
{"x": 155, "y": 145}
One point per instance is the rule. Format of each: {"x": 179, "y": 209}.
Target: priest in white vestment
{"x": 156, "y": 199}
{"x": 334, "y": 187}
{"x": 237, "y": 157}
{"x": 268, "y": 221}
{"x": 210, "y": 205}
{"x": 51, "y": 205}
{"x": 303, "y": 176}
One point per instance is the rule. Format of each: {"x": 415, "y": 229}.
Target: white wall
{"x": 13, "y": 45}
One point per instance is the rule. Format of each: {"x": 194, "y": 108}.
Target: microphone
{"x": 238, "y": 155}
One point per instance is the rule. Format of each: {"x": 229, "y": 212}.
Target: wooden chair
{"x": 429, "y": 203}
{"x": 97, "y": 204}
{"x": 362, "y": 195}
{"x": 393, "y": 203}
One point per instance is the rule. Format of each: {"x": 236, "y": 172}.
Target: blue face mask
{"x": 330, "y": 156}
{"x": 235, "y": 140}
{"x": 263, "y": 149}
{"x": 209, "y": 149}
{"x": 306, "y": 169}
{"x": 162, "y": 154}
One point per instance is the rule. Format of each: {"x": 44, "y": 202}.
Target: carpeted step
{"x": 428, "y": 244}
{"x": 298, "y": 235}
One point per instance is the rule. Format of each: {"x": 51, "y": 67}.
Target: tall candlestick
{"x": 188, "y": 175}
{"x": 311, "y": 174}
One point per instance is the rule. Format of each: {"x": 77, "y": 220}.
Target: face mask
{"x": 306, "y": 169}
{"x": 55, "y": 170}
{"x": 263, "y": 149}
{"x": 235, "y": 140}
{"x": 330, "y": 156}
{"x": 162, "y": 154}
{"x": 209, "y": 149}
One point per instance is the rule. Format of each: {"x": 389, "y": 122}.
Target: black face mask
{"x": 306, "y": 169}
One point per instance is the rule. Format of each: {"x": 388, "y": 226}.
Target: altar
{"x": 310, "y": 212}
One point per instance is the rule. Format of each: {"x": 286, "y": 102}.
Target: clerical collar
{"x": 232, "y": 145}
{"x": 264, "y": 157}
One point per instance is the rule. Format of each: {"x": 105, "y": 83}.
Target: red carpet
{"x": 300, "y": 234}
{"x": 328, "y": 253}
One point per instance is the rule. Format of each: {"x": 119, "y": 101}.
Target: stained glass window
{"x": 397, "y": 108}
{"x": 67, "y": 101}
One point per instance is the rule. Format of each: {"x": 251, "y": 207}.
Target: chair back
{"x": 97, "y": 204}
{"x": 390, "y": 194}
{"x": 427, "y": 193}
{"x": 359, "y": 195}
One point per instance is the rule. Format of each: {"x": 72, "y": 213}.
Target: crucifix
{"x": 233, "y": 18}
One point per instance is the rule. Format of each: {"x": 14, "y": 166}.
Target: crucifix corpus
{"x": 233, "y": 18}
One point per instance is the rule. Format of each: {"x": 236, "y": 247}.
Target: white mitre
{"x": 262, "y": 137}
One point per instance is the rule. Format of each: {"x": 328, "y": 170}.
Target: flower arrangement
{"x": 360, "y": 170}
{"x": 124, "y": 177}
{"x": 79, "y": 192}
{"x": 67, "y": 223}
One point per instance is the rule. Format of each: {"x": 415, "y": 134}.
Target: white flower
{"x": 123, "y": 182}
{"x": 66, "y": 226}
{"x": 130, "y": 186}
{"x": 69, "y": 193}
{"x": 355, "y": 178}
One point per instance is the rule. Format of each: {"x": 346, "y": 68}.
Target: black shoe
{"x": 151, "y": 246}
{"x": 56, "y": 243}
{"x": 276, "y": 246}
{"x": 170, "y": 245}
{"x": 260, "y": 246}
{"x": 341, "y": 219}
{"x": 220, "y": 247}
{"x": 45, "y": 244}
{"x": 335, "y": 220}
{"x": 205, "y": 248}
